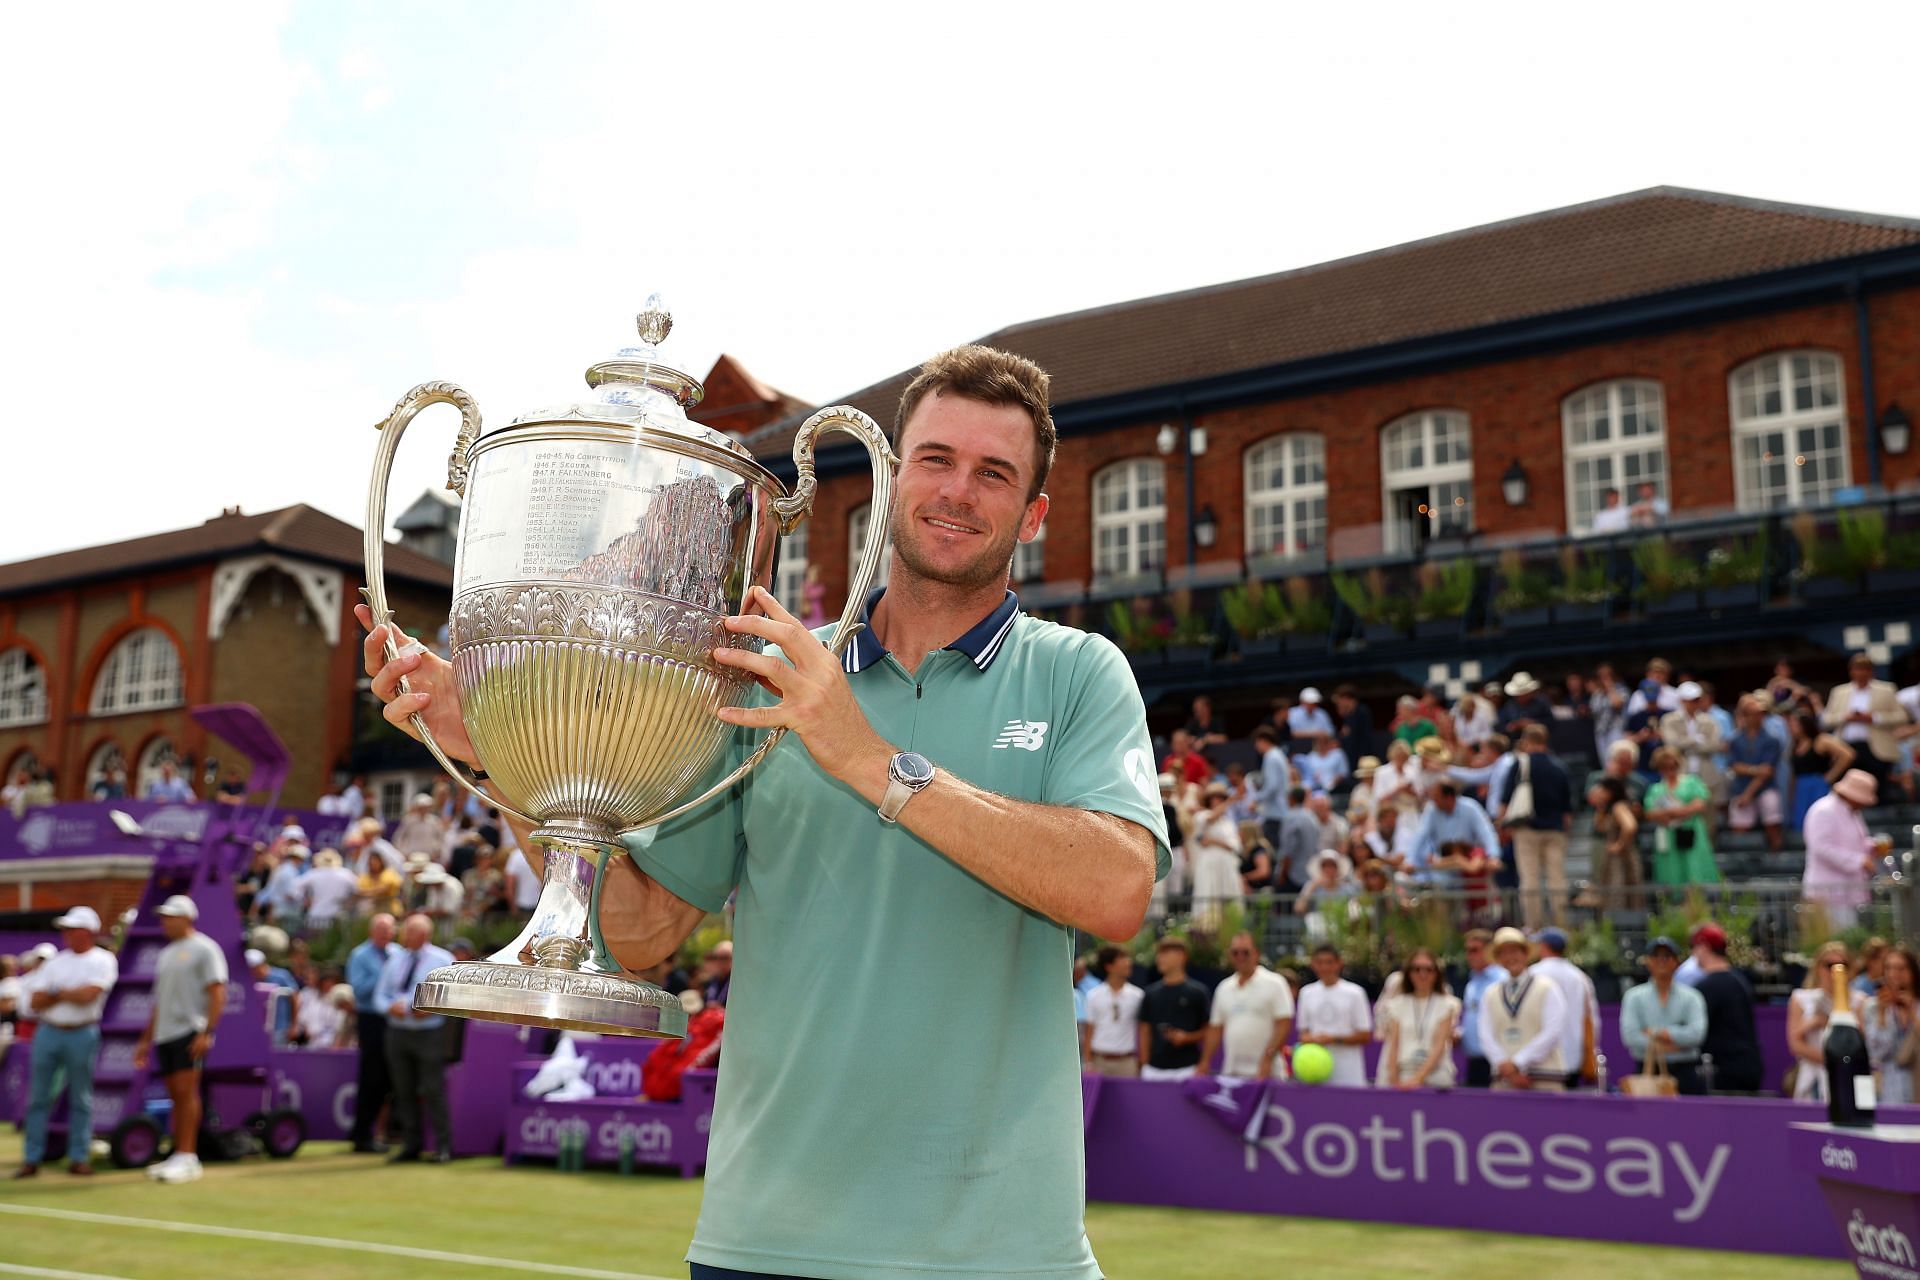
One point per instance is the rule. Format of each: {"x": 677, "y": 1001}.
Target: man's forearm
{"x": 1090, "y": 871}
{"x": 216, "y": 1005}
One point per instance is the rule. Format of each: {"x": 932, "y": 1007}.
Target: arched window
{"x": 857, "y": 541}
{"x": 1426, "y": 468}
{"x": 1789, "y": 430}
{"x": 152, "y": 756}
{"x": 23, "y": 688}
{"x": 790, "y": 579}
{"x": 1030, "y": 558}
{"x": 1615, "y": 440}
{"x": 24, "y": 762}
{"x": 143, "y": 671}
{"x": 1287, "y": 495}
{"x": 1130, "y": 518}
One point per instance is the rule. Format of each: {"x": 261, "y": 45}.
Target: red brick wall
{"x": 1514, "y": 407}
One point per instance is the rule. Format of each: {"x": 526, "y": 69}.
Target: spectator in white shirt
{"x": 1334, "y": 1013}
{"x": 1309, "y": 717}
{"x": 1252, "y": 1017}
{"x": 353, "y": 801}
{"x": 1520, "y": 1021}
{"x": 1110, "y": 1037}
{"x": 318, "y": 1020}
{"x": 68, "y": 993}
{"x": 1613, "y": 515}
{"x": 326, "y": 893}
{"x": 1419, "y": 1027}
{"x": 523, "y": 882}
{"x": 1577, "y": 991}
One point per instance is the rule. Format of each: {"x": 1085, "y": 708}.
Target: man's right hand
{"x": 434, "y": 697}
{"x": 140, "y": 1055}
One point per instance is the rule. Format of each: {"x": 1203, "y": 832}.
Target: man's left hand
{"x": 199, "y": 1046}
{"x": 816, "y": 701}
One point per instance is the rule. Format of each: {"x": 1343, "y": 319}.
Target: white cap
{"x": 298, "y": 851}
{"x": 45, "y": 951}
{"x": 294, "y": 832}
{"x": 80, "y": 918}
{"x": 255, "y": 956}
{"x": 1309, "y": 694}
{"x": 178, "y": 905}
{"x": 1688, "y": 691}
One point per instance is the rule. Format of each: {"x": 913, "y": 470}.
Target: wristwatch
{"x": 907, "y": 774}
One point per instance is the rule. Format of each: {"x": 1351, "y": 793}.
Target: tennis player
{"x": 899, "y": 1091}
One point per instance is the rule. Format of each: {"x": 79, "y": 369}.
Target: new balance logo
{"x": 1029, "y": 735}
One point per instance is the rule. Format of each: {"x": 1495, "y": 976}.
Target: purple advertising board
{"x": 1870, "y": 1181}
{"x": 1703, "y": 1173}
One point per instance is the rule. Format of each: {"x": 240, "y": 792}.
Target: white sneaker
{"x": 171, "y": 1162}
{"x": 188, "y": 1170}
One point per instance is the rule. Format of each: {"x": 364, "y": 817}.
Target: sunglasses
{"x": 1239, "y": 951}
{"x": 1423, "y": 968}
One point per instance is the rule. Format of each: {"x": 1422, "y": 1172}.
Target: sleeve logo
{"x": 1029, "y": 735}
{"x": 1139, "y": 767}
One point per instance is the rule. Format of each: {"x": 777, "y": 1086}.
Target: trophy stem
{"x": 558, "y": 972}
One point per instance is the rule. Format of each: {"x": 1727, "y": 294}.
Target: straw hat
{"x": 1368, "y": 766}
{"x": 1325, "y": 856}
{"x": 1434, "y": 750}
{"x": 432, "y": 873}
{"x": 1521, "y": 685}
{"x": 1858, "y": 788}
{"x": 1508, "y": 937}
{"x": 326, "y": 858}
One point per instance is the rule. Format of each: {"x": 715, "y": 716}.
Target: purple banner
{"x": 69, "y": 830}
{"x": 1704, "y": 1173}
{"x": 661, "y": 1133}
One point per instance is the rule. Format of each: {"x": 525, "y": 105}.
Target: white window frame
{"x": 103, "y": 758}
{"x": 1456, "y": 472}
{"x": 1753, "y": 419}
{"x": 141, "y": 674}
{"x": 1130, "y": 518}
{"x": 1303, "y": 482}
{"x": 1030, "y": 558}
{"x": 25, "y": 758}
{"x": 23, "y": 688}
{"x": 790, "y": 579}
{"x": 1611, "y": 403}
{"x": 857, "y": 521}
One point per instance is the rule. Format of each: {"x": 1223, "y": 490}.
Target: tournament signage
{"x": 1704, "y": 1173}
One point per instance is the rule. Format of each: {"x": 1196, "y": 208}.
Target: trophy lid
{"x": 637, "y": 385}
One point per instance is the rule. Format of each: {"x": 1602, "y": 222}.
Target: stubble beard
{"x": 984, "y": 570}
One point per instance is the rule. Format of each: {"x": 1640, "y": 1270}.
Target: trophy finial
{"x": 656, "y": 322}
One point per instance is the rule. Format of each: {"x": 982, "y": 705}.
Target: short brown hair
{"x": 992, "y": 377}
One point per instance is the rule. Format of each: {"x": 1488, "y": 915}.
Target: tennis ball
{"x": 1312, "y": 1064}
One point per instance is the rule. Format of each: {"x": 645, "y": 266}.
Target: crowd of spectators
{"x": 1482, "y": 796}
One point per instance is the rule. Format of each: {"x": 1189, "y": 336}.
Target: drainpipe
{"x": 1863, "y": 327}
{"x": 1186, "y": 452}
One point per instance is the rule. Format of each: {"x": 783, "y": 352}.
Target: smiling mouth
{"x": 948, "y": 525}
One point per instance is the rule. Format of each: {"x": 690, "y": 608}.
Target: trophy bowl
{"x": 601, "y": 546}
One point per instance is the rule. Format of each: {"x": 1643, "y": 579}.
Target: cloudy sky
{"x": 237, "y": 234}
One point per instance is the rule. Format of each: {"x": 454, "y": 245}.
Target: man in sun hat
{"x": 1841, "y": 857}
{"x": 1526, "y": 704}
{"x": 1520, "y": 1021}
{"x": 189, "y": 995}
{"x": 68, "y": 995}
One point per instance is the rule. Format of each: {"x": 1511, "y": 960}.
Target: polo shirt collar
{"x": 981, "y": 643}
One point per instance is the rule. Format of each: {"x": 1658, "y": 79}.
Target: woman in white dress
{"x": 1213, "y": 855}
{"x": 1419, "y": 1024}
{"x": 1807, "y": 1014}
{"x": 1396, "y": 785}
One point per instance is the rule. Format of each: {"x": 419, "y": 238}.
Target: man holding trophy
{"x": 900, "y": 1092}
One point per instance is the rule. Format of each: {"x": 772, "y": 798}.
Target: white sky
{"x": 234, "y": 236}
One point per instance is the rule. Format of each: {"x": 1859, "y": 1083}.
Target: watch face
{"x": 913, "y": 768}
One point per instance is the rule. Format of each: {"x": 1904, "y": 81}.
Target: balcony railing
{"x": 1542, "y": 585}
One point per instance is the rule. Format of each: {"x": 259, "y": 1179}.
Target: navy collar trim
{"x": 982, "y": 642}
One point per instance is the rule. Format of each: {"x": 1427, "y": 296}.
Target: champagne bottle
{"x": 1850, "y": 1092}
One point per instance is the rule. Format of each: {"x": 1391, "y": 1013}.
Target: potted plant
{"x": 1190, "y": 636}
{"x": 1584, "y": 593}
{"x": 1139, "y": 635}
{"x": 1733, "y": 574}
{"x": 1667, "y": 578}
{"x": 1899, "y": 573}
{"x": 1440, "y": 609}
{"x": 1525, "y": 598}
{"x": 1382, "y": 614}
{"x": 1258, "y": 615}
{"x": 1309, "y": 618}
{"x": 1596, "y": 949}
{"x": 1832, "y": 567}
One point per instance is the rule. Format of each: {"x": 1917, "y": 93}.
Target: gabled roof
{"x": 300, "y": 531}
{"x": 1627, "y": 246}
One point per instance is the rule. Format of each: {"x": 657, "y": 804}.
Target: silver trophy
{"x": 601, "y": 545}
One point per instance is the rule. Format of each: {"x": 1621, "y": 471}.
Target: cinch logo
{"x": 650, "y": 1137}
{"x": 619, "y": 1079}
{"x": 343, "y": 1104}
{"x": 541, "y": 1131}
{"x": 1029, "y": 735}
{"x": 1838, "y": 1158}
{"x": 1881, "y": 1244}
{"x": 1222, "y": 1097}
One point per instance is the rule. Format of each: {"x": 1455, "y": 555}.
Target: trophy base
{"x": 610, "y": 1004}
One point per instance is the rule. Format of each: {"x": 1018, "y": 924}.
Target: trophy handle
{"x": 375, "y": 544}
{"x": 791, "y": 511}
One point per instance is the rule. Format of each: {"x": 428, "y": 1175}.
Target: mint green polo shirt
{"x": 899, "y": 1089}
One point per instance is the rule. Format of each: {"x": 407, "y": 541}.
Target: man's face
{"x": 1203, "y": 709}
{"x": 1661, "y": 964}
{"x": 1182, "y": 742}
{"x": 720, "y": 961}
{"x": 1326, "y": 968}
{"x": 175, "y": 927}
{"x": 1241, "y": 955}
{"x": 77, "y": 939}
{"x": 1512, "y": 958}
{"x": 1476, "y": 954}
{"x": 960, "y": 503}
{"x": 1319, "y": 806}
{"x": 381, "y": 930}
{"x": 1172, "y": 963}
{"x": 1343, "y": 704}
{"x": 1444, "y": 801}
{"x": 414, "y": 934}
{"x": 1862, "y": 673}
{"x": 1120, "y": 970}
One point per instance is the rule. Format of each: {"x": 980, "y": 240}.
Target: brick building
{"x": 1467, "y": 396}
{"x": 102, "y": 650}
{"x": 1740, "y": 356}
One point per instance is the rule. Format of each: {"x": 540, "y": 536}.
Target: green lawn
{"x": 639, "y": 1227}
